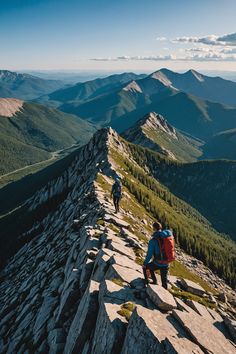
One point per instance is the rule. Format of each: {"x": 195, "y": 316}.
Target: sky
{"x": 117, "y": 35}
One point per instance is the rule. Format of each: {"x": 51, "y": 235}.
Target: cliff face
{"x": 77, "y": 287}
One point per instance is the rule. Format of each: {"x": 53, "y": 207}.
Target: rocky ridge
{"x": 77, "y": 287}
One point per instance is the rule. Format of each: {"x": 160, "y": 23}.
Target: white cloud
{"x": 192, "y": 54}
{"x": 161, "y": 39}
{"x": 228, "y": 50}
{"x": 104, "y": 59}
{"x": 224, "y": 40}
{"x": 138, "y": 57}
{"x": 211, "y": 56}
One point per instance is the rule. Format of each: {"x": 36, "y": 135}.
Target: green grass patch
{"x": 114, "y": 228}
{"x": 185, "y": 295}
{"x": 103, "y": 183}
{"x": 101, "y": 222}
{"x": 117, "y": 281}
{"x": 139, "y": 253}
{"x": 179, "y": 270}
{"x": 126, "y": 310}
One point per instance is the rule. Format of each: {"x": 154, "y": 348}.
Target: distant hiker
{"x": 116, "y": 193}
{"x": 161, "y": 251}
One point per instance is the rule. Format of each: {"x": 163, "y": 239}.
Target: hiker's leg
{"x": 118, "y": 204}
{"x": 152, "y": 267}
{"x": 145, "y": 274}
{"x": 164, "y": 274}
{"x": 115, "y": 203}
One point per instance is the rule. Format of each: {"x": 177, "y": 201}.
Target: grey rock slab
{"x": 200, "y": 309}
{"x": 131, "y": 238}
{"x": 127, "y": 275}
{"x": 161, "y": 297}
{"x": 215, "y": 315}
{"x": 57, "y": 335}
{"x": 126, "y": 262}
{"x": 175, "y": 345}
{"x": 192, "y": 287}
{"x": 43, "y": 316}
{"x": 111, "y": 292}
{"x": 70, "y": 293}
{"x": 146, "y": 331}
{"x": 110, "y": 330}
{"x": 118, "y": 245}
{"x": 231, "y": 325}
{"x": 181, "y": 305}
{"x": 203, "y": 333}
{"x": 117, "y": 221}
{"x": 87, "y": 269}
{"x": 100, "y": 267}
{"x": 174, "y": 281}
{"x": 84, "y": 320}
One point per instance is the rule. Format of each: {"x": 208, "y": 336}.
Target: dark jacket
{"x": 153, "y": 248}
{"x": 116, "y": 189}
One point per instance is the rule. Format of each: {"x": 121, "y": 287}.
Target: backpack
{"x": 167, "y": 247}
{"x": 117, "y": 189}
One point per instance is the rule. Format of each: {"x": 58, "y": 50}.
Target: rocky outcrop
{"x": 78, "y": 286}
{"x": 231, "y": 325}
{"x": 161, "y": 297}
{"x": 110, "y": 330}
{"x": 192, "y": 287}
{"x": 84, "y": 320}
{"x": 202, "y": 332}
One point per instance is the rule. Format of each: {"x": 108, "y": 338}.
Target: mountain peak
{"x": 195, "y": 74}
{"x": 12, "y": 75}
{"x": 133, "y": 87}
{"x": 156, "y": 121}
{"x": 10, "y": 106}
{"x": 160, "y": 76}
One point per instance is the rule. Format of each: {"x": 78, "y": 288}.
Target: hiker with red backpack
{"x": 116, "y": 193}
{"x": 161, "y": 250}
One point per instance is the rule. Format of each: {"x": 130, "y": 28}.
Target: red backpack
{"x": 166, "y": 243}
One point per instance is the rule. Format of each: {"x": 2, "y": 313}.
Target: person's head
{"x": 117, "y": 179}
{"x": 157, "y": 226}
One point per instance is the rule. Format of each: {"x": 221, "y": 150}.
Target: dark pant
{"x": 116, "y": 201}
{"x": 152, "y": 267}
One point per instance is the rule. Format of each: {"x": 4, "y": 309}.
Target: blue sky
{"x": 117, "y": 34}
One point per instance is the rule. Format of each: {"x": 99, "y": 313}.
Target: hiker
{"x": 161, "y": 251}
{"x": 116, "y": 193}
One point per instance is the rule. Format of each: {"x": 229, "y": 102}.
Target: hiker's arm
{"x": 149, "y": 253}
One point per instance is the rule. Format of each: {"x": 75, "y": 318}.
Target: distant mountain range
{"x": 87, "y": 90}
{"x": 25, "y": 86}
{"x": 29, "y": 132}
{"x": 209, "y": 88}
{"x": 126, "y": 103}
{"x": 202, "y": 128}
